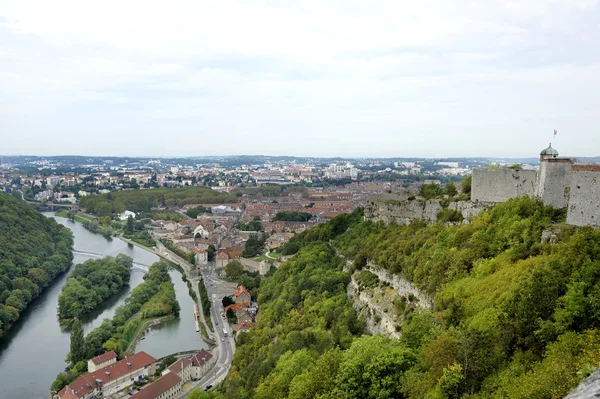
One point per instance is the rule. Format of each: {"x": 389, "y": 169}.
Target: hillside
{"x": 515, "y": 311}
{"x": 33, "y": 251}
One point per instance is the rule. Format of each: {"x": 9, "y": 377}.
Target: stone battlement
{"x": 558, "y": 183}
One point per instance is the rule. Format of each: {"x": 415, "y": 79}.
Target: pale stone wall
{"x": 552, "y": 185}
{"x": 404, "y": 212}
{"x": 499, "y": 185}
{"x": 584, "y": 198}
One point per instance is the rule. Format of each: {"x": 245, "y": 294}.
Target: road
{"x": 216, "y": 290}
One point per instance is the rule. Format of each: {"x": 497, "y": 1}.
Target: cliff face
{"x": 588, "y": 389}
{"x": 404, "y": 212}
{"x": 382, "y": 300}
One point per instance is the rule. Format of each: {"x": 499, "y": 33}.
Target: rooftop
{"x": 88, "y": 382}
{"x": 179, "y": 365}
{"x": 103, "y": 357}
{"x": 154, "y": 390}
{"x": 201, "y": 358}
{"x": 549, "y": 151}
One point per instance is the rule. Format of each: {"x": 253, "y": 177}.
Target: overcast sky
{"x": 315, "y": 78}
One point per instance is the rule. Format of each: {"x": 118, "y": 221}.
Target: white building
{"x": 202, "y": 363}
{"x": 183, "y": 369}
{"x": 201, "y": 256}
{"x": 125, "y": 215}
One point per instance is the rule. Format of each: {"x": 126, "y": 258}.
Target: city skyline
{"x": 389, "y": 79}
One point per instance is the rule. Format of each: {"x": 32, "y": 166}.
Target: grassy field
{"x": 80, "y": 218}
{"x": 268, "y": 257}
{"x": 142, "y": 238}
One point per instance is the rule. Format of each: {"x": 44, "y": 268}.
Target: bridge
{"x": 137, "y": 265}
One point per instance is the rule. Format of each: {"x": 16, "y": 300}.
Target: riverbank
{"x": 90, "y": 222}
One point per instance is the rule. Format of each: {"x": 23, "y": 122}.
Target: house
{"x": 201, "y": 232}
{"x": 202, "y": 363}
{"x": 242, "y": 295}
{"x": 241, "y": 312}
{"x": 182, "y": 367}
{"x": 167, "y": 386}
{"x": 201, "y": 256}
{"x": 101, "y": 361}
{"x": 222, "y": 259}
{"x": 125, "y": 215}
{"x": 110, "y": 379}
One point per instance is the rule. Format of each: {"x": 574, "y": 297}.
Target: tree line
{"x": 34, "y": 250}
{"x": 145, "y": 200}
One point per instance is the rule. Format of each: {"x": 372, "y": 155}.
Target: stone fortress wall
{"x": 584, "y": 196}
{"x": 499, "y": 185}
{"x": 558, "y": 182}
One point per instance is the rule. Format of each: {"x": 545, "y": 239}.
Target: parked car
{"x": 208, "y": 387}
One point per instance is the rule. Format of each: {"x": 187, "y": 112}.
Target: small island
{"x": 91, "y": 283}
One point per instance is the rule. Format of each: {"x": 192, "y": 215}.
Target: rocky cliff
{"x": 383, "y": 300}
{"x": 431, "y": 211}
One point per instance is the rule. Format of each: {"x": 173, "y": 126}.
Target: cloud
{"x": 377, "y": 78}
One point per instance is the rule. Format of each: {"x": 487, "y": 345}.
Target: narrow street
{"x": 216, "y": 290}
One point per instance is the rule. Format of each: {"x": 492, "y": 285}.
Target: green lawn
{"x": 268, "y": 257}
{"x": 79, "y": 217}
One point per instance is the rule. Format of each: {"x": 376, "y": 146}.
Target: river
{"x": 33, "y": 352}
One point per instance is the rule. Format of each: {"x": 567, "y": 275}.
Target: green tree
{"x": 129, "y": 228}
{"x": 430, "y": 190}
{"x": 234, "y": 269}
{"x": 77, "y": 352}
{"x": 450, "y": 189}
{"x": 465, "y": 184}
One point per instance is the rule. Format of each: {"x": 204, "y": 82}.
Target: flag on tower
{"x": 555, "y": 132}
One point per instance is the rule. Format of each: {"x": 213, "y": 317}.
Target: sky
{"x": 430, "y": 78}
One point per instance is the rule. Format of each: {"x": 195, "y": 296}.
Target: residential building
{"x": 101, "y": 361}
{"x": 167, "y": 386}
{"x": 202, "y": 363}
{"x": 222, "y": 259}
{"x": 110, "y": 379}
{"x": 242, "y": 295}
{"x": 201, "y": 256}
{"x": 182, "y": 367}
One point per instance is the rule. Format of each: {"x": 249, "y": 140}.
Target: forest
{"x": 515, "y": 314}
{"x": 145, "y": 200}
{"x": 155, "y": 297}
{"x": 92, "y": 282}
{"x": 34, "y": 250}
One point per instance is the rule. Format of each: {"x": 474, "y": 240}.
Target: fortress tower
{"x": 552, "y": 184}
{"x": 558, "y": 182}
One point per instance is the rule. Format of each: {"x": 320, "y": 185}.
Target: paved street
{"x": 216, "y": 290}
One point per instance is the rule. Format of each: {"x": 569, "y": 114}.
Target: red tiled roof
{"x": 104, "y": 357}
{"x": 201, "y": 358}
{"x": 158, "y": 387}
{"x": 238, "y": 307}
{"x": 86, "y": 383}
{"x": 241, "y": 290}
{"x": 179, "y": 365}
